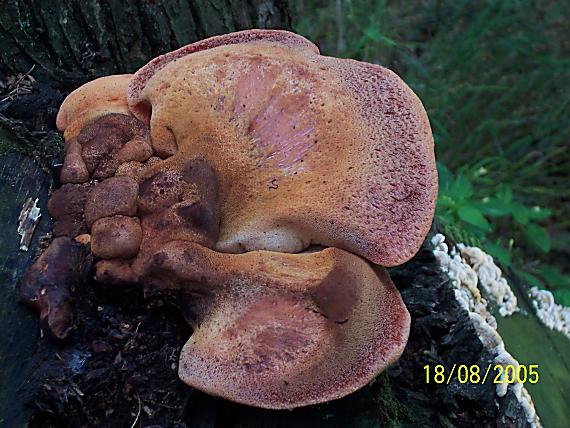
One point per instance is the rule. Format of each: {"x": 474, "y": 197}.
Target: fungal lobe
{"x": 215, "y": 177}
{"x": 280, "y": 330}
{"x": 317, "y": 150}
{"x": 49, "y": 284}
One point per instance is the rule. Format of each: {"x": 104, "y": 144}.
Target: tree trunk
{"x": 73, "y": 41}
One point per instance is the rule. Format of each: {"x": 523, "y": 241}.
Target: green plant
{"x": 494, "y": 78}
{"x": 481, "y": 220}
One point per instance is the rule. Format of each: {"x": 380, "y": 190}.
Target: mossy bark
{"x": 20, "y": 179}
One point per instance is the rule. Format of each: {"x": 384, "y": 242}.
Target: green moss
{"x": 44, "y": 147}
{"x": 392, "y": 411}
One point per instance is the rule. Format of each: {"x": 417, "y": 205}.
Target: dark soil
{"x": 121, "y": 361}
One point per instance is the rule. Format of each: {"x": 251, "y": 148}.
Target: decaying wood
{"x": 27, "y": 221}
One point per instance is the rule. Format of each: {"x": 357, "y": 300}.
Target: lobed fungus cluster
{"x": 262, "y": 186}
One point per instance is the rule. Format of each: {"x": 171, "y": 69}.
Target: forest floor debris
{"x": 27, "y": 221}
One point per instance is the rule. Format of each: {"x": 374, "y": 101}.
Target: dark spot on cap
{"x": 337, "y": 296}
{"x": 201, "y": 218}
{"x": 201, "y": 173}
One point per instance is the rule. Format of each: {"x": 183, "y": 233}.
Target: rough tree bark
{"x": 73, "y": 41}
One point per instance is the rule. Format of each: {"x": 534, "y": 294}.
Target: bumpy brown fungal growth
{"x": 67, "y": 206}
{"x": 116, "y": 237}
{"x": 113, "y": 196}
{"x": 99, "y": 132}
{"x": 74, "y": 169}
{"x": 48, "y": 285}
{"x": 111, "y": 140}
{"x": 254, "y": 143}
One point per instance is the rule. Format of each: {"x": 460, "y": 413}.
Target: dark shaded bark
{"x": 20, "y": 179}
{"x": 73, "y": 41}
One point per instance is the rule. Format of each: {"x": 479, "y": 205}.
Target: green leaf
{"x": 461, "y": 188}
{"x": 494, "y": 207}
{"x": 505, "y": 194}
{"x": 554, "y": 277}
{"x": 373, "y": 33}
{"x": 539, "y": 213}
{"x": 471, "y": 215}
{"x": 444, "y": 201}
{"x": 500, "y": 253}
{"x": 445, "y": 216}
{"x": 520, "y": 213}
{"x": 562, "y": 297}
{"x": 538, "y": 237}
{"x": 532, "y": 280}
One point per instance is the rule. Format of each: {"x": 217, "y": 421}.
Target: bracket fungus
{"x": 262, "y": 187}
